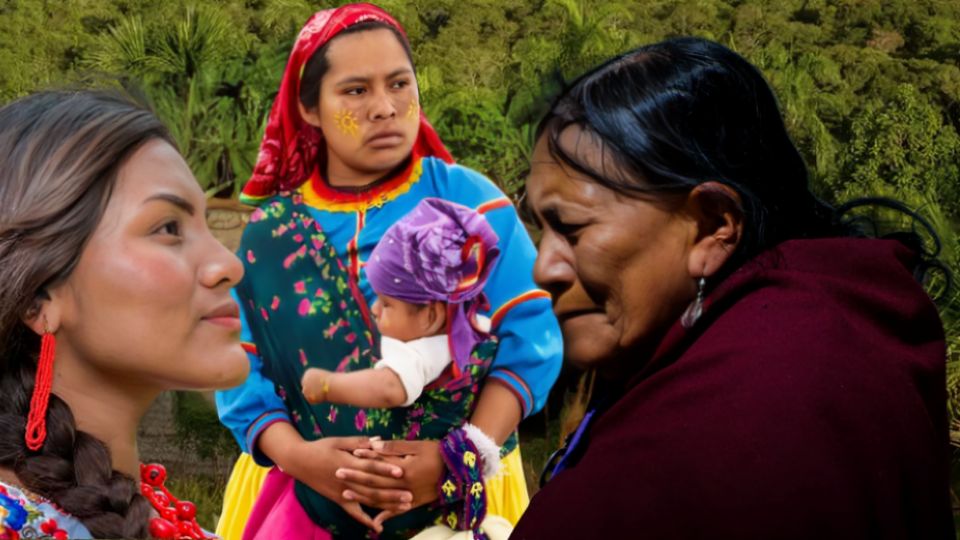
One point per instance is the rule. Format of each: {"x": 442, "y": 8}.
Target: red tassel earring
{"x": 37, "y": 419}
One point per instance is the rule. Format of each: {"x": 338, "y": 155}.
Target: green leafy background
{"x": 870, "y": 88}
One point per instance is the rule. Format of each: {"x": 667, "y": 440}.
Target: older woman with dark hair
{"x": 765, "y": 370}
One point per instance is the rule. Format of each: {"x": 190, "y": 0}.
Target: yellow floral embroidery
{"x": 476, "y": 489}
{"x": 452, "y": 520}
{"x": 3, "y": 514}
{"x": 347, "y": 123}
{"x": 448, "y": 488}
{"x": 469, "y": 459}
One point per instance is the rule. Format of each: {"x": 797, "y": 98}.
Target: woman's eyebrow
{"x": 525, "y": 211}
{"x": 400, "y": 71}
{"x": 175, "y": 200}
{"x": 359, "y": 79}
{"x": 353, "y": 80}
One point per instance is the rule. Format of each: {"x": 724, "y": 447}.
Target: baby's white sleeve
{"x": 416, "y": 362}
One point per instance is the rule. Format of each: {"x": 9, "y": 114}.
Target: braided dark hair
{"x": 59, "y": 153}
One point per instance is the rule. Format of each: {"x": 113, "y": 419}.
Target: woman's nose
{"x": 221, "y": 267}
{"x": 382, "y": 107}
{"x": 375, "y": 308}
{"x": 554, "y": 269}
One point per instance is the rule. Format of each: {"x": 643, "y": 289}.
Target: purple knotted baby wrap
{"x": 440, "y": 251}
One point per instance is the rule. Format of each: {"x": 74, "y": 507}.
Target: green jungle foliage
{"x": 870, "y": 88}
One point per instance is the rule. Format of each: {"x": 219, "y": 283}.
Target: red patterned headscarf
{"x": 290, "y": 147}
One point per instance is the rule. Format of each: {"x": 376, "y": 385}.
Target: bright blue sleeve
{"x": 530, "y": 352}
{"x": 247, "y": 410}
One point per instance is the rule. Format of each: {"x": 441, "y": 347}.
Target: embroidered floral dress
{"x": 25, "y": 515}
{"x": 314, "y": 302}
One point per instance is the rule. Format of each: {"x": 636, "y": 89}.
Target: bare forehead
{"x": 552, "y": 182}
{"x": 369, "y": 51}
{"x": 153, "y": 168}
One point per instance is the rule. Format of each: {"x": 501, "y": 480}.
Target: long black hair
{"x": 685, "y": 111}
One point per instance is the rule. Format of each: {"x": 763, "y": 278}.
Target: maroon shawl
{"x": 808, "y": 402}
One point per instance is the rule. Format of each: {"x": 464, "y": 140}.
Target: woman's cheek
{"x": 412, "y": 109}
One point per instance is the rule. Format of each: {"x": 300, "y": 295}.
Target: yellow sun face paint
{"x": 413, "y": 111}
{"x": 347, "y": 123}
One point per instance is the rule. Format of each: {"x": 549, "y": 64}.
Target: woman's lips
{"x": 227, "y": 315}
{"x": 232, "y": 323}
{"x": 569, "y": 314}
{"x": 387, "y": 139}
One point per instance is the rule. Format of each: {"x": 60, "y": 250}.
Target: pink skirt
{"x": 278, "y": 514}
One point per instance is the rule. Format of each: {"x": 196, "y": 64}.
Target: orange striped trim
{"x": 249, "y": 347}
{"x": 529, "y": 295}
{"x": 526, "y": 398}
{"x": 493, "y": 205}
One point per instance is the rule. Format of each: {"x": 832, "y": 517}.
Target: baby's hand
{"x": 316, "y": 384}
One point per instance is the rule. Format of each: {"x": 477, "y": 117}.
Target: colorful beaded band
{"x": 461, "y": 488}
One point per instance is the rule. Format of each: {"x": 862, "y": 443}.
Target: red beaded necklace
{"x": 178, "y": 519}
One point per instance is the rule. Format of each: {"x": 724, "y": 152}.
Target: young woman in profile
{"x": 112, "y": 290}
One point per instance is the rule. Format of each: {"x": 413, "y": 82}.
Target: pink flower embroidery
{"x": 298, "y": 238}
{"x": 303, "y": 357}
{"x": 360, "y": 421}
{"x": 290, "y": 259}
{"x": 263, "y": 313}
{"x": 251, "y": 258}
{"x": 275, "y": 304}
{"x": 332, "y": 329}
{"x": 300, "y": 287}
{"x": 353, "y": 357}
{"x": 304, "y": 309}
{"x": 351, "y": 337}
{"x": 332, "y": 417}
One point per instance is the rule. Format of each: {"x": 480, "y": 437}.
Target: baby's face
{"x": 401, "y": 320}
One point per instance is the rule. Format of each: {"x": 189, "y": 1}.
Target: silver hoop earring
{"x": 695, "y": 309}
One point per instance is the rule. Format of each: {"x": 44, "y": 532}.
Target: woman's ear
{"x": 436, "y": 318}
{"x": 718, "y": 212}
{"x": 311, "y": 115}
{"x": 43, "y": 315}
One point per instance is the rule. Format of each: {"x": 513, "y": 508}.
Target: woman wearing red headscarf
{"x": 346, "y": 153}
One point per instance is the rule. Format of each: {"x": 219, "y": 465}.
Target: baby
{"x": 428, "y": 271}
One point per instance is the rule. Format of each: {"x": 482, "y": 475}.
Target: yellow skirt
{"x": 507, "y": 494}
